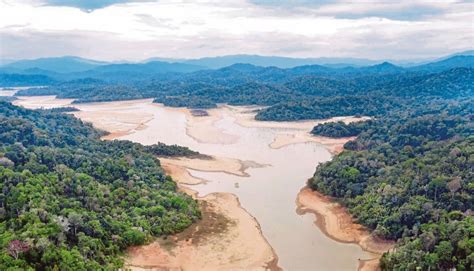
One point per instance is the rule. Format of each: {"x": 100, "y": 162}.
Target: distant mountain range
{"x": 70, "y": 67}
{"x": 65, "y": 64}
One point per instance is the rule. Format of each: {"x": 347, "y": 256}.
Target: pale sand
{"x": 334, "y": 220}
{"x": 235, "y": 247}
{"x": 334, "y": 145}
{"x": 119, "y": 118}
{"x": 7, "y": 93}
{"x": 203, "y": 129}
{"x": 215, "y": 164}
{"x": 38, "y": 102}
{"x": 226, "y": 238}
{"x": 245, "y": 116}
{"x": 179, "y": 173}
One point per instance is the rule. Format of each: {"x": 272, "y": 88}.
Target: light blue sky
{"x": 139, "y": 29}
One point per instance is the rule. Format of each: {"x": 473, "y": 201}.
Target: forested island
{"x": 409, "y": 175}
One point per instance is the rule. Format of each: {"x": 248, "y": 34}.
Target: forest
{"x": 340, "y": 129}
{"x": 409, "y": 175}
{"x": 70, "y": 201}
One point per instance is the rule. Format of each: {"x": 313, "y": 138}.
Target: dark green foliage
{"x": 308, "y": 92}
{"x": 63, "y": 109}
{"x": 162, "y": 149}
{"x": 340, "y": 129}
{"x": 7, "y": 98}
{"x": 327, "y": 107}
{"x": 410, "y": 176}
{"x": 18, "y": 80}
{"x": 75, "y": 201}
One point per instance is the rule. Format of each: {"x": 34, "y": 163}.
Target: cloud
{"x": 187, "y": 29}
{"x": 85, "y": 4}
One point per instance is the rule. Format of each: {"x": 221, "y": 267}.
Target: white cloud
{"x": 180, "y": 29}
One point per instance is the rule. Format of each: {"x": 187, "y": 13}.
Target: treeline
{"x": 294, "y": 94}
{"x": 409, "y": 176}
{"x": 69, "y": 201}
{"x": 162, "y": 149}
{"x": 340, "y": 129}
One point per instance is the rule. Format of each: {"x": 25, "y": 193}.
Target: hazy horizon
{"x": 120, "y": 30}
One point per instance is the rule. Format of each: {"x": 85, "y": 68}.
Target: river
{"x": 271, "y": 175}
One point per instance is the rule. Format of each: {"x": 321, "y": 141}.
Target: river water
{"x": 268, "y": 193}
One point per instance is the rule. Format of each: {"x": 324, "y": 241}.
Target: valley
{"x": 245, "y": 167}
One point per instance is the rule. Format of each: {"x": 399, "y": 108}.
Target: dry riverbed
{"x": 227, "y": 237}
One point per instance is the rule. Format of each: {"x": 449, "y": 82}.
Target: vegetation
{"x": 340, "y": 129}
{"x": 162, "y": 149}
{"x": 410, "y": 177}
{"x": 63, "y": 109}
{"x": 70, "y": 201}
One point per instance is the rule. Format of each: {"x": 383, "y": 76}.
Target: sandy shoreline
{"x": 336, "y": 222}
{"x": 234, "y": 240}
{"x": 334, "y": 145}
{"x": 215, "y": 164}
{"x": 226, "y": 238}
{"x": 202, "y": 128}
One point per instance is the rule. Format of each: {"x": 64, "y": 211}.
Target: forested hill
{"x": 409, "y": 176}
{"x": 287, "y": 91}
{"x": 70, "y": 201}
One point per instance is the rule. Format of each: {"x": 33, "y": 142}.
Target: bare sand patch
{"x": 336, "y": 222}
{"x": 38, "y": 102}
{"x": 334, "y": 145}
{"x": 179, "y": 173}
{"x": 215, "y": 164}
{"x": 7, "y": 93}
{"x": 201, "y": 127}
{"x": 119, "y": 118}
{"x": 245, "y": 116}
{"x": 226, "y": 238}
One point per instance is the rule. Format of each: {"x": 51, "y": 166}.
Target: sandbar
{"x": 214, "y": 164}
{"x": 226, "y": 238}
{"x": 41, "y": 102}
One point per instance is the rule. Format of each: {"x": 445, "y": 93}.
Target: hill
{"x": 70, "y": 201}
{"x": 65, "y": 64}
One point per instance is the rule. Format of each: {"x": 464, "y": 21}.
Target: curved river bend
{"x": 268, "y": 193}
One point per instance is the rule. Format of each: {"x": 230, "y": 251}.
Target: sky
{"x": 140, "y": 29}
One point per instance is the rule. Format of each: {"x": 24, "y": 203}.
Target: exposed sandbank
{"x": 334, "y": 145}
{"x": 119, "y": 118}
{"x": 335, "y": 221}
{"x": 202, "y": 127}
{"x": 245, "y": 116}
{"x": 218, "y": 249}
{"x": 38, "y": 102}
{"x": 215, "y": 164}
{"x": 226, "y": 238}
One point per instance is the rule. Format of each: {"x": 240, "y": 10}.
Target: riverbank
{"x": 337, "y": 223}
{"x": 226, "y": 238}
{"x": 234, "y": 236}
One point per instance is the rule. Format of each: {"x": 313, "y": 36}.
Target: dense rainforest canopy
{"x": 409, "y": 176}
{"x": 69, "y": 201}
